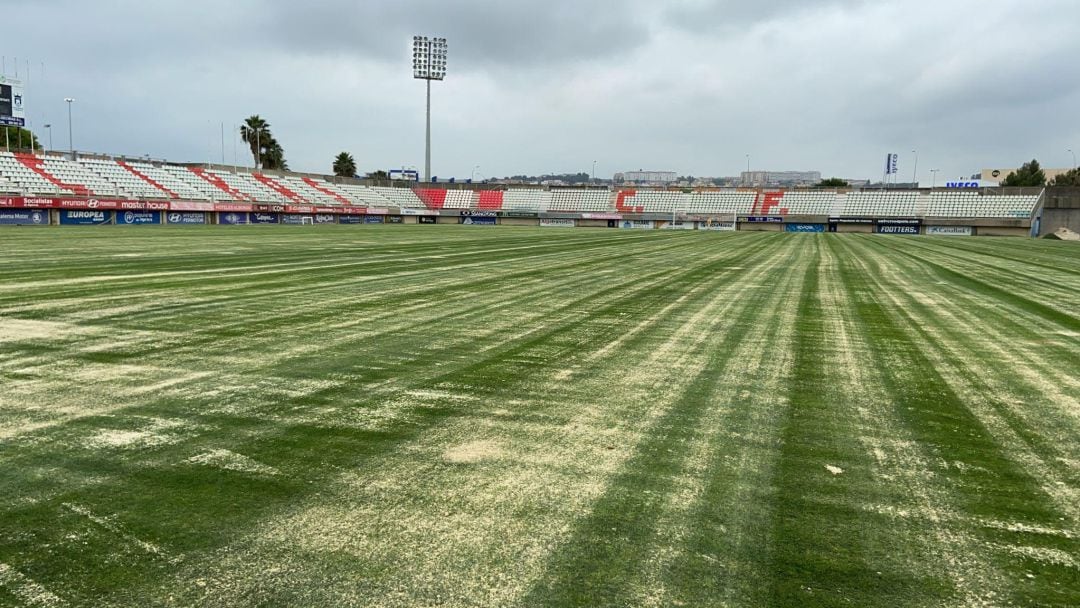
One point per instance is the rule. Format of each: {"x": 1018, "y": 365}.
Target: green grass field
{"x": 455, "y": 416}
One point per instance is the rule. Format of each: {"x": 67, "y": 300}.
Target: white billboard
{"x": 11, "y": 102}
{"x": 948, "y": 230}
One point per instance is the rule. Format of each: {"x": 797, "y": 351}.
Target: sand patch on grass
{"x": 473, "y": 452}
{"x": 231, "y": 461}
{"x": 26, "y": 589}
{"x": 12, "y": 330}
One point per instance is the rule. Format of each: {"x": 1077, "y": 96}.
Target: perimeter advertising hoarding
{"x": 679, "y": 225}
{"x": 427, "y": 219}
{"x": 717, "y": 225}
{"x": 138, "y": 218}
{"x": 418, "y": 212}
{"x": 325, "y": 218}
{"x": 373, "y": 219}
{"x": 394, "y": 219}
{"x": 898, "y": 226}
{"x": 24, "y": 217}
{"x": 234, "y": 219}
{"x": 479, "y": 220}
{"x": 186, "y": 218}
{"x": 12, "y": 112}
{"x": 295, "y": 219}
{"x": 557, "y": 223}
{"x": 85, "y": 218}
{"x": 350, "y": 219}
{"x": 949, "y": 230}
{"x": 637, "y": 224}
{"x": 762, "y": 219}
{"x": 804, "y": 227}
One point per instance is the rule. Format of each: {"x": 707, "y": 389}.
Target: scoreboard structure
{"x": 12, "y": 113}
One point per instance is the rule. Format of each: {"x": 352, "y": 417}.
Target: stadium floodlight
{"x": 1073, "y": 155}
{"x": 934, "y": 172}
{"x": 71, "y": 141}
{"x": 429, "y": 63}
{"x": 49, "y": 128}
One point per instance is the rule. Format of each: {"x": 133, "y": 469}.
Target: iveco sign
{"x": 962, "y": 185}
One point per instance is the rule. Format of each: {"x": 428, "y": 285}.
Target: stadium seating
{"x": 879, "y": 204}
{"x": 527, "y": 200}
{"x": 27, "y": 174}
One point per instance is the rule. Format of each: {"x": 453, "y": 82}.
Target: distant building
{"x": 780, "y": 178}
{"x": 999, "y": 175}
{"x": 646, "y": 177}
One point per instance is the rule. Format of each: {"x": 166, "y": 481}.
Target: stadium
{"x": 250, "y": 386}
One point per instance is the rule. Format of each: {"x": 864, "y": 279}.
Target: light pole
{"x": 747, "y": 169}
{"x": 258, "y": 149}
{"x": 915, "y": 170}
{"x": 592, "y": 178}
{"x": 1073, "y": 155}
{"x": 934, "y": 172}
{"x": 429, "y": 63}
{"x": 49, "y": 128}
{"x": 71, "y": 141}
{"x": 472, "y": 176}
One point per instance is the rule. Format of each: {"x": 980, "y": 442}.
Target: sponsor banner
{"x": 480, "y": 220}
{"x": 325, "y": 218}
{"x": 427, "y": 219}
{"x": 186, "y": 218}
{"x": 405, "y": 211}
{"x": 762, "y": 219}
{"x": 395, "y": 219}
{"x": 520, "y": 214}
{"x": 557, "y": 223}
{"x": 804, "y": 227}
{"x": 190, "y": 206}
{"x": 601, "y": 216}
{"x": 238, "y": 207}
{"x": 24, "y": 217}
{"x": 949, "y": 230}
{"x": 899, "y": 222}
{"x": 850, "y": 220}
{"x": 679, "y": 225}
{"x": 85, "y": 218}
{"x": 234, "y": 219}
{"x": 299, "y": 209}
{"x": 373, "y": 219}
{"x": 718, "y": 225}
{"x": 467, "y": 212}
{"x": 264, "y": 218}
{"x": 377, "y": 211}
{"x": 637, "y": 224}
{"x": 105, "y": 204}
{"x": 138, "y": 218}
{"x": 350, "y": 219}
{"x": 296, "y": 219}
{"x": 894, "y": 229}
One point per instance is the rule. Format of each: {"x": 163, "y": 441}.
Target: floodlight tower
{"x": 429, "y": 63}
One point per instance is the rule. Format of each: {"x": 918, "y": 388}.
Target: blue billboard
{"x": 350, "y": 219}
{"x": 27, "y": 217}
{"x": 186, "y": 217}
{"x": 296, "y": 219}
{"x": 804, "y": 227}
{"x": 137, "y": 218}
{"x": 480, "y": 220}
{"x": 233, "y": 219}
{"x": 373, "y": 219}
{"x": 263, "y": 218}
{"x": 71, "y": 217}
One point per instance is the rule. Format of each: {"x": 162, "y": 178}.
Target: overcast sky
{"x": 535, "y": 86}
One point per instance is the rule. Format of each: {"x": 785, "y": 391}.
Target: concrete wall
{"x": 1061, "y": 209}
{"x": 1002, "y": 231}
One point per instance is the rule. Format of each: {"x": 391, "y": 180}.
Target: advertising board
{"x": 137, "y": 218}
{"x": 186, "y": 218}
{"x": 557, "y": 223}
{"x": 69, "y": 217}
{"x": 804, "y": 227}
{"x": 24, "y": 217}
{"x": 949, "y": 231}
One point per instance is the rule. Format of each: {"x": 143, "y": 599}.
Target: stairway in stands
{"x": 314, "y": 184}
{"x": 279, "y": 188}
{"x": 37, "y": 165}
{"x": 220, "y": 184}
{"x": 147, "y": 179}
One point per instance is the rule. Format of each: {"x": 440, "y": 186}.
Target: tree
{"x": 383, "y": 175}
{"x": 1029, "y": 175}
{"x": 19, "y": 138}
{"x": 344, "y": 165}
{"x": 832, "y": 182}
{"x": 1069, "y": 178}
{"x": 256, "y": 134}
{"x": 273, "y": 156}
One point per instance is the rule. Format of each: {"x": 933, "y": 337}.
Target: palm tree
{"x": 274, "y": 155}
{"x": 344, "y": 165}
{"x": 256, "y": 133}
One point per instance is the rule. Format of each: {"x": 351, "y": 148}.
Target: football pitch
{"x": 470, "y": 416}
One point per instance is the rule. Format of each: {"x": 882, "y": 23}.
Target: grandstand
{"x": 98, "y": 177}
